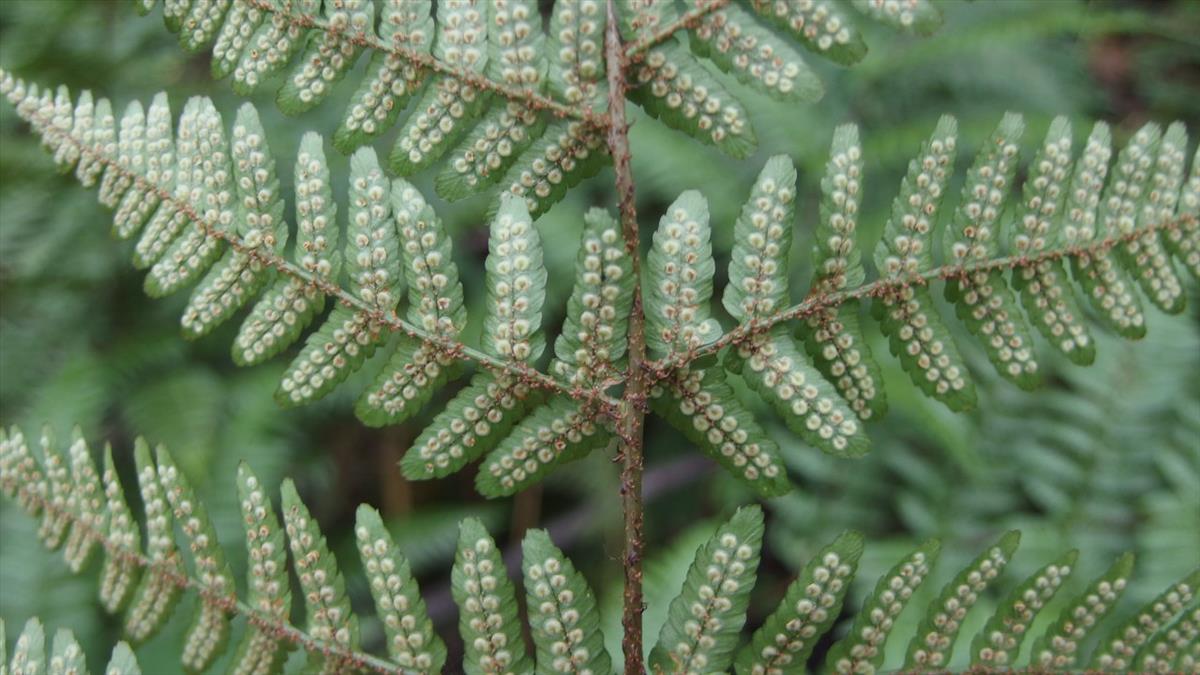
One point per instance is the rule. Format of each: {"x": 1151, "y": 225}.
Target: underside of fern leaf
{"x": 507, "y": 107}
{"x": 215, "y": 219}
{"x": 702, "y": 632}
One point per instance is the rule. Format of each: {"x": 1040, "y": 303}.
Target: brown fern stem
{"x": 633, "y": 404}
{"x": 636, "y": 51}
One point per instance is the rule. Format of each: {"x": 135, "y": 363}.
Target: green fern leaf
{"x": 122, "y": 661}
{"x": 119, "y": 576}
{"x": 239, "y": 27}
{"x": 576, "y": 64}
{"x": 104, "y": 138}
{"x": 592, "y": 344}
{"x": 260, "y": 651}
{"x": 672, "y": 86}
{"x": 411, "y": 640}
{"x": 87, "y": 169}
{"x": 703, "y": 407}
{"x": 349, "y": 336}
{"x": 1147, "y": 256}
{"x": 516, "y": 59}
{"x": 85, "y": 503}
{"x": 210, "y": 190}
{"x": 66, "y": 656}
{"x": 1166, "y": 650}
{"x": 56, "y": 515}
{"x": 282, "y": 313}
{"x": 1044, "y": 286}
{"x": 390, "y": 81}
{"x": 273, "y": 44}
{"x": 200, "y": 25}
{"x": 435, "y": 298}
{"x": 568, "y": 152}
{"x": 487, "y": 603}
{"x": 917, "y": 16}
{"x": 982, "y": 299}
{"x": 997, "y": 645}
{"x": 916, "y": 332}
{"x": 1104, "y": 282}
{"x": 158, "y": 591}
{"x": 1184, "y": 241}
{"x": 29, "y": 654}
{"x": 861, "y": 651}
{"x": 1123, "y": 204}
{"x": 131, "y": 148}
{"x": 813, "y": 601}
{"x": 832, "y": 335}
{"x": 1058, "y": 648}
{"x": 209, "y": 632}
{"x": 758, "y": 288}
{"x": 734, "y": 40}
{"x": 1118, "y": 649}
{"x": 328, "y": 55}
{"x": 555, "y": 433}
{"x": 153, "y": 157}
{"x": 704, "y": 620}
{"x": 480, "y": 415}
{"x": 22, "y": 474}
{"x": 326, "y": 606}
{"x": 679, "y": 279}
{"x": 823, "y": 26}
{"x": 445, "y": 111}
{"x": 240, "y": 275}
{"x": 562, "y": 611}
{"x": 933, "y": 644}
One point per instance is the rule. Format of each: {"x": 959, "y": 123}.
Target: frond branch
{"x": 886, "y": 286}
{"x": 531, "y": 99}
{"x": 389, "y": 319}
{"x": 169, "y": 571}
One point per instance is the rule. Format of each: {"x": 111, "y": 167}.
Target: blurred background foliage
{"x": 1105, "y": 458}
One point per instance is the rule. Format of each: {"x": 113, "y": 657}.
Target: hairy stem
{"x": 635, "y": 51}
{"x": 633, "y": 405}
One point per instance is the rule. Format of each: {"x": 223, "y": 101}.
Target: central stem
{"x": 633, "y": 405}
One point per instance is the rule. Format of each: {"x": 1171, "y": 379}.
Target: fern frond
{"x": 1044, "y": 286}
{"x": 510, "y": 104}
{"x": 1058, "y": 648}
{"x": 562, "y": 611}
{"x": 266, "y": 577}
{"x": 701, "y": 633}
{"x": 411, "y": 641}
{"x": 1184, "y": 242}
{"x": 491, "y": 631}
{"x": 157, "y": 593}
{"x": 66, "y": 656}
{"x": 86, "y": 501}
{"x": 1118, "y": 649}
{"x": 811, "y": 606}
{"x": 705, "y": 618}
{"x": 933, "y": 644}
{"x": 833, "y": 337}
{"x": 326, "y": 607}
{"x": 209, "y": 631}
{"x": 861, "y": 651}
{"x": 997, "y": 645}
{"x": 983, "y": 300}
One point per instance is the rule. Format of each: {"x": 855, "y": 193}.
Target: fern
{"x": 65, "y": 655}
{"x": 221, "y": 218}
{"x": 508, "y": 105}
{"x": 702, "y": 629}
